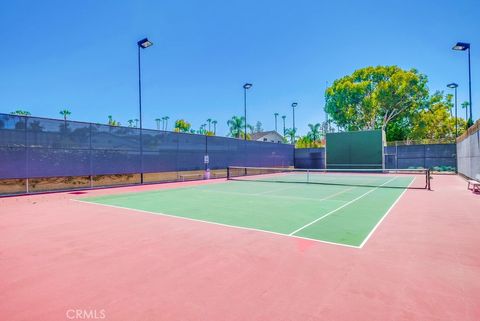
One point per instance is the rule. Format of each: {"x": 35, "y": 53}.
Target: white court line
{"x": 385, "y": 215}
{"x": 339, "y": 208}
{"x": 215, "y": 223}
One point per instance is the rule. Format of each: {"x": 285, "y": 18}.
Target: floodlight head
{"x": 144, "y": 43}
{"x": 294, "y": 105}
{"x": 247, "y": 86}
{"x": 462, "y": 46}
{"x": 452, "y": 85}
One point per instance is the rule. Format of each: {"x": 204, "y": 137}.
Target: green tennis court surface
{"x": 344, "y": 212}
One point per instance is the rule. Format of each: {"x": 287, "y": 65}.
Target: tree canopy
{"x": 372, "y": 97}
{"x": 181, "y": 125}
{"x": 390, "y": 98}
{"x": 237, "y": 127}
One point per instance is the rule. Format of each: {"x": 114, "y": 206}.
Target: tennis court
{"x": 335, "y": 207}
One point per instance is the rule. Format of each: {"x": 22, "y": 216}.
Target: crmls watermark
{"x": 85, "y": 314}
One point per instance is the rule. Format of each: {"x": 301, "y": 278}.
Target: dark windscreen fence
{"x": 32, "y": 147}
{"x": 439, "y": 157}
{"x": 435, "y": 156}
{"x": 310, "y": 158}
{"x": 224, "y": 151}
{"x": 191, "y": 152}
{"x": 13, "y": 154}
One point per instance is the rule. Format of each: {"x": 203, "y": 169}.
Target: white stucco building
{"x": 270, "y": 136}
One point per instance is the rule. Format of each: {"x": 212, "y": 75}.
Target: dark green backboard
{"x": 360, "y": 149}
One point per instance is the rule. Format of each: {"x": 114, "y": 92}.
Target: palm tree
{"x": 214, "y": 127}
{"x": 136, "y": 123}
{"x": 130, "y": 122}
{"x": 201, "y": 130}
{"x": 209, "y": 121}
{"x": 236, "y": 125}
{"x": 112, "y": 122}
{"x": 291, "y": 132}
{"x": 20, "y": 112}
{"x": 283, "y": 117}
{"x": 157, "y": 120}
{"x": 465, "y": 105}
{"x": 65, "y": 113}
{"x": 166, "y": 122}
{"x": 276, "y": 115}
{"x": 314, "y": 133}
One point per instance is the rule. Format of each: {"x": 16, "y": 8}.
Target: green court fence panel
{"x": 359, "y": 149}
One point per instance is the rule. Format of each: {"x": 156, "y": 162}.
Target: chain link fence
{"x": 32, "y": 147}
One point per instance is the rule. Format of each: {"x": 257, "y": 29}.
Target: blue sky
{"x": 81, "y": 55}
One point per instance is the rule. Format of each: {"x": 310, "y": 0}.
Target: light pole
{"x": 454, "y": 86}
{"x": 294, "y": 129}
{"x": 245, "y": 88}
{"x": 283, "y": 118}
{"x": 294, "y": 132}
{"x": 142, "y": 44}
{"x": 463, "y": 46}
{"x": 276, "y": 115}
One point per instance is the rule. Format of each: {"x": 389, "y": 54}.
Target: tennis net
{"x": 381, "y": 178}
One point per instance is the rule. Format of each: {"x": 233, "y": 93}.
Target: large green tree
{"x": 374, "y": 97}
{"x": 435, "y": 121}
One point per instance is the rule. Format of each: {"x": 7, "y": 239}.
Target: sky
{"x": 81, "y": 55}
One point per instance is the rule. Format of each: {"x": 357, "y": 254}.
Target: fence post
{"x": 396, "y": 155}
{"x": 90, "y": 154}
{"x": 26, "y": 156}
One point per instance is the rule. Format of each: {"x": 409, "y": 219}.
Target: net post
{"x": 428, "y": 179}
{"x": 228, "y": 173}
{"x": 308, "y": 176}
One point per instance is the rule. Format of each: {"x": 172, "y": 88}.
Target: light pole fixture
{"x": 246, "y": 86}
{"x": 464, "y": 46}
{"x": 455, "y": 86}
{"x": 276, "y": 115}
{"x": 142, "y": 44}
{"x": 294, "y": 129}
